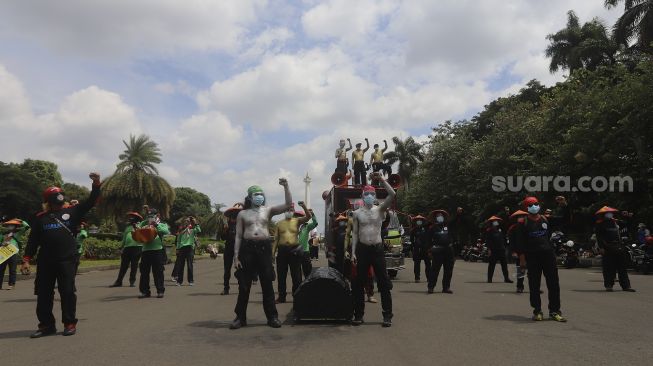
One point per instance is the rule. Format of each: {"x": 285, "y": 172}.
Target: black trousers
{"x": 129, "y": 259}
{"x": 10, "y": 263}
{"x": 185, "y": 258}
{"x": 152, "y": 260}
{"x": 256, "y": 259}
{"x": 442, "y": 257}
{"x": 615, "y": 263}
{"x": 520, "y": 280}
{"x": 538, "y": 264}
{"x": 315, "y": 252}
{"x": 62, "y": 273}
{"x": 494, "y": 258}
{"x": 307, "y": 266}
{"x": 338, "y": 258}
{"x": 359, "y": 173}
{"x": 341, "y": 166}
{"x": 287, "y": 258}
{"x": 228, "y": 258}
{"x": 419, "y": 255}
{"x": 371, "y": 255}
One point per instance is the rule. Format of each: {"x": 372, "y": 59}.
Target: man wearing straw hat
{"x": 612, "y": 249}
{"x": 495, "y": 240}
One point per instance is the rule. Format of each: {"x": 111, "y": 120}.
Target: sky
{"x": 243, "y": 92}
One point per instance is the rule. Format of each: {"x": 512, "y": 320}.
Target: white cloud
{"x": 350, "y": 21}
{"x": 110, "y": 27}
{"x": 270, "y": 41}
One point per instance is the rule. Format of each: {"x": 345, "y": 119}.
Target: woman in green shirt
{"x": 130, "y": 252}
{"x": 152, "y": 257}
{"x": 15, "y": 230}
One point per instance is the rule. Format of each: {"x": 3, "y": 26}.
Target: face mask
{"x": 369, "y": 199}
{"x": 258, "y": 200}
{"x": 495, "y": 223}
{"x": 288, "y": 215}
{"x": 342, "y": 223}
{"x": 419, "y": 223}
{"x": 534, "y": 209}
{"x": 439, "y": 219}
{"x": 609, "y": 215}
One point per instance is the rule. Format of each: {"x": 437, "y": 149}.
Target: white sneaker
{"x": 191, "y": 284}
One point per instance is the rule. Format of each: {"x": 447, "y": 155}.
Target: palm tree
{"x": 408, "y": 154}
{"x": 575, "y": 47}
{"x": 635, "y": 23}
{"x": 136, "y": 181}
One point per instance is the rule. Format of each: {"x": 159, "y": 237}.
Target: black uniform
{"x": 496, "y": 241}
{"x": 514, "y": 248}
{"x": 420, "y": 237}
{"x": 339, "y": 234}
{"x": 228, "y": 256}
{"x": 614, "y": 258}
{"x": 52, "y": 236}
{"x": 443, "y": 256}
{"x": 532, "y": 239}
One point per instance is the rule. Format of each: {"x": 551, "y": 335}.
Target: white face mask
{"x": 288, "y": 214}
{"x": 419, "y": 222}
{"x": 609, "y": 215}
{"x": 495, "y": 223}
{"x": 439, "y": 219}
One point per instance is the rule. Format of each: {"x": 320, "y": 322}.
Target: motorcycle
{"x": 569, "y": 255}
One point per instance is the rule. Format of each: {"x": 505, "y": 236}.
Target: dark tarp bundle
{"x": 324, "y": 294}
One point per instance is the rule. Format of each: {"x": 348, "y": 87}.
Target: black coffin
{"x": 324, "y": 295}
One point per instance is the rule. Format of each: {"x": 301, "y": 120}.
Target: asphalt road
{"x": 480, "y": 324}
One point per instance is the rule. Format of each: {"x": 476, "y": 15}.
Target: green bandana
{"x": 254, "y": 189}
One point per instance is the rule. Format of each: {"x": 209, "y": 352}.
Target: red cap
{"x": 369, "y": 189}
{"x": 50, "y": 191}
{"x": 529, "y": 201}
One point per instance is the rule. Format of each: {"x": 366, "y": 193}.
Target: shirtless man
{"x": 358, "y": 161}
{"x": 367, "y": 250}
{"x": 253, "y": 252}
{"x": 376, "y": 160}
{"x": 341, "y": 155}
{"x": 288, "y": 251}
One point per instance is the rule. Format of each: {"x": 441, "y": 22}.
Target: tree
{"x": 407, "y": 153}
{"x": 46, "y": 173}
{"x": 75, "y": 192}
{"x": 189, "y": 202}
{"x": 635, "y": 23}
{"x": 136, "y": 181}
{"x": 575, "y": 47}
{"x": 214, "y": 222}
{"x": 20, "y": 193}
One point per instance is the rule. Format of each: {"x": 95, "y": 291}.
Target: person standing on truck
{"x": 358, "y": 161}
{"x": 368, "y": 250}
{"x": 341, "y": 156}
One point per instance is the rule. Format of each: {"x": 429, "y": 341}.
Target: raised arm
{"x": 279, "y": 209}
{"x": 307, "y": 214}
{"x": 88, "y": 204}
{"x": 350, "y": 147}
{"x": 391, "y": 194}
{"x": 385, "y": 143}
{"x": 367, "y": 145}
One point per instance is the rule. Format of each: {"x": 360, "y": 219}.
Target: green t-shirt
{"x": 16, "y": 238}
{"x": 81, "y": 236}
{"x": 127, "y": 240}
{"x": 186, "y": 237}
{"x": 305, "y": 232}
{"x": 156, "y": 243}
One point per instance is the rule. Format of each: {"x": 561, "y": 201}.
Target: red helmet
{"x": 50, "y": 191}
{"x": 529, "y": 201}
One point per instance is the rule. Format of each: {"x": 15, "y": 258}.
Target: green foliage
{"x": 95, "y": 248}
{"x": 636, "y": 23}
{"x": 46, "y": 173}
{"x": 189, "y": 202}
{"x": 597, "y": 123}
{"x": 136, "y": 182}
{"x": 75, "y": 192}
{"x": 20, "y": 193}
{"x": 408, "y": 154}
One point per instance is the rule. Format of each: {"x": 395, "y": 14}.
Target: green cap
{"x": 254, "y": 189}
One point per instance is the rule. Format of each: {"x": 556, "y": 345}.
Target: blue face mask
{"x": 258, "y": 200}
{"x": 609, "y": 215}
{"x": 534, "y": 209}
{"x": 419, "y": 223}
{"x": 369, "y": 199}
{"x": 439, "y": 219}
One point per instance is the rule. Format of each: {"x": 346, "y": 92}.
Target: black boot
{"x": 42, "y": 332}
{"x": 274, "y": 323}
{"x": 238, "y": 323}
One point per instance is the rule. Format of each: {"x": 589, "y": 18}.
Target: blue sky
{"x": 241, "y": 92}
